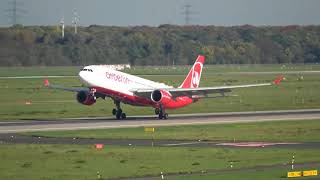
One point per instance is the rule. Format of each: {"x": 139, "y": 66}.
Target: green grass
{"x": 209, "y": 69}
{"x": 73, "y": 70}
{"x": 293, "y": 93}
{"x": 265, "y": 174}
{"x": 68, "y": 162}
{"x": 39, "y": 71}
{"x": 284, "y": 131}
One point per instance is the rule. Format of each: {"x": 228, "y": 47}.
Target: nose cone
{"x": 83, "y": 77}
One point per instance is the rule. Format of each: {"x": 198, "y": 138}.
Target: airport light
{"x": 162, "y": 177}
{"x": 99, "y": 175}
{"x": 292, "y": 162}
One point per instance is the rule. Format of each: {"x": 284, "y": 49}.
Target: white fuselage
{"x": 109, "y": 79}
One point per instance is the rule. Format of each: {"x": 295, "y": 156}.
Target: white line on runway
{"x": 34, "y": 77}
{"x": 206, "y": 114}
{"x": 86, "y": 126}
{"x": 181, "y": 144}
{"x": 14, "y": 122}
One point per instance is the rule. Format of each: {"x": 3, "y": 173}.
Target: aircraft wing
{"x": 195, "y": 92}
{"x": 52, "y": 86}
{"x": 202, "y": 91}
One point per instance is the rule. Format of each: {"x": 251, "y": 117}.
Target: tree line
{"x": 163, "y": 45}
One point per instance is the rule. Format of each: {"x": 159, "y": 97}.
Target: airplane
{"x": 103, "y": 82}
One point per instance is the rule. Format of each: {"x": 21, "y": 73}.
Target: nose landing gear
{"x": 118, "y": 111}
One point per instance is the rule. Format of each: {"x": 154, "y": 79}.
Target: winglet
{"x": 278, "y": 80}
{"x": 46, "y": 83}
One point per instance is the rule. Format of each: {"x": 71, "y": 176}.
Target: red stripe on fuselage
{"x": 126, "y": 98}
{"x": 178, "y": 102}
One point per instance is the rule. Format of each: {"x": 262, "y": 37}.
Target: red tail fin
{"x": 193, "y": 78}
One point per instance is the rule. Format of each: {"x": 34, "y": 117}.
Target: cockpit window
{"x": 90, "y": 70}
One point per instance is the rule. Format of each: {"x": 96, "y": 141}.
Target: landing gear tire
{"x": 118, "y": 111}
{"x": 114, "y": 112}
{"x": 156, "y": 111}
{"x": 123, "y": 116}
{"x": 161, "y": 112}
{"x": 163, "y": 116}
{"x": 119, "y": 114}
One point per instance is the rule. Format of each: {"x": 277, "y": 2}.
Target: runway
{"x": 151, "y": 121}
{"x": 9, "y": 129}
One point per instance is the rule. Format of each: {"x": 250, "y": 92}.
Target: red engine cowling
{"x": 161, "y": 96}
{"x": 85, "y": 98}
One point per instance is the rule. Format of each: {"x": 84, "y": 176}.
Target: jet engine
{"x": 161, "y": 96}
{"x": 85, "y": 98}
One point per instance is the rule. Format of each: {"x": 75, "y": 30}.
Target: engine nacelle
{"x": 161, "y": 96}
{"x": 85, "y": 98}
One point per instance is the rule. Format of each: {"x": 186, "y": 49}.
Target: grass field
{"x": 83, "y": 161}
{"x": 284, "y": 131}
{"x": 73, "y": 70}
{"x": 293, "y": 93}
{"x": 73, "y": 162}
{"x": 268, "y": 174}
{"x": 68, "y": 162}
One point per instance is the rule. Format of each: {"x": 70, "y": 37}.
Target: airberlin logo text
{"x": 118, "y": 78}
{"x": 196, "y": 75}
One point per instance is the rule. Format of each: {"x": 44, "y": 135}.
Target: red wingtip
{"x": 278, "y": 80}
{"x": 46, "y": 82}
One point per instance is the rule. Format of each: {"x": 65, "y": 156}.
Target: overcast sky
{"x": 156, "y": 12}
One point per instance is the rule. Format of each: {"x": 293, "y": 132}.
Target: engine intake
{"x": 85, "y": 98}
{"x": 161, "y": 96}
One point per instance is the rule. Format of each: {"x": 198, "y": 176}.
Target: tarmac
{"x": 9, "y": 130}
{"x": 18, "y": 126}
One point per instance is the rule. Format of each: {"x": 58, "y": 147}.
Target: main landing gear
{"x": 162, "y": 114}
{"x": 118, "y": 111}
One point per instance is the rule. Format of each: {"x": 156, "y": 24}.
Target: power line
{"x": 188, "y": 13}
{"x": 15, "y": 12}
{"x": 75, "y": 21}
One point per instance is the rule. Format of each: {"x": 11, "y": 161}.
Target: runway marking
{"x": 13, "y": 122}
{"x": 34, "y": 77}
{"x": 181, "y": 144}
{"x": 98, "y": 125}
{"x": 198, "y": 115}
{"x": 254, "y": 144}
